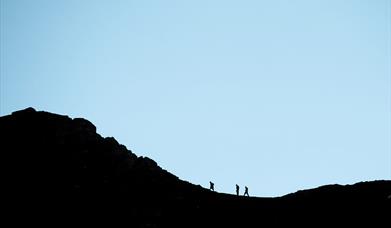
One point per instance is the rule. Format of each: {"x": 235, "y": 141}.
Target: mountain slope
{"x": 60, "y": 169}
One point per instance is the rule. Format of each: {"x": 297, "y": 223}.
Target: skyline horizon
{"x": 241, "y": 187}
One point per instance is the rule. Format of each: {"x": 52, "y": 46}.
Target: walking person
{"x": 246, "y": 191}
{"x": 237, "y": 190}
{"x": 211, "y": 186}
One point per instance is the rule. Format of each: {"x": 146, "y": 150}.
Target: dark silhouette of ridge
{"x": 59, "y": 171}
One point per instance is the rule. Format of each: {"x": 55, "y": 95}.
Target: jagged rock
{"x": 26, "y": 111}
{"x": 84, "y": 125}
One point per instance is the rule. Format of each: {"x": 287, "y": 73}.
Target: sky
{"x": 275, "y": 95}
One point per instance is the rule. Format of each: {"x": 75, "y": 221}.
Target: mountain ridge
{"x": 64, "y": 162}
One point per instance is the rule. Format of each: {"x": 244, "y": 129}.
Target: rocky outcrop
{"x": 58, "y": 169}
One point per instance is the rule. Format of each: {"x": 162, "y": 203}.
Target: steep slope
{"x": 60, "y": 169}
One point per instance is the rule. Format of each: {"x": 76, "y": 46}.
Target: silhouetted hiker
{"x": 237, "y": 190}
{"x": 246, "y": 191}
{"x": 212, "y": 186}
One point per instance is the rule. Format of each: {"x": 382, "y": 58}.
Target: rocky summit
{"x": 58, "y": 170}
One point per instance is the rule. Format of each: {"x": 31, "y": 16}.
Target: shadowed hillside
{"x": 58, "y": 170}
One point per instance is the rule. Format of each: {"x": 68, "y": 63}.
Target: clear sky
{"x": 275, "y": 95}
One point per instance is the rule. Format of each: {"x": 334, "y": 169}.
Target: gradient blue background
{"x": 275, "y": 95}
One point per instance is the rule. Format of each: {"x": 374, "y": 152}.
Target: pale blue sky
{"x": 275, "y": 95}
